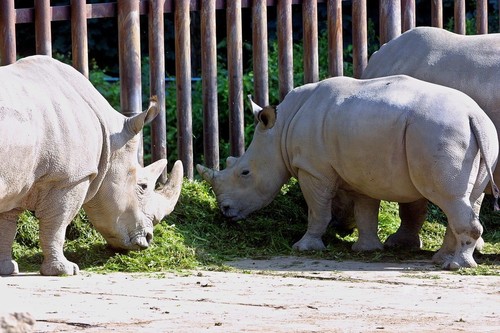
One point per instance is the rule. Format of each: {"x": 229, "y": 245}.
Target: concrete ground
{"x": 286, "y": 294}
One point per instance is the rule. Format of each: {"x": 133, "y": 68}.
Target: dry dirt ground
{"x": 286, "y": 294}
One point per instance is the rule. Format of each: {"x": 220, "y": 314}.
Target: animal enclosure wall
{"x": 394, "y": 17}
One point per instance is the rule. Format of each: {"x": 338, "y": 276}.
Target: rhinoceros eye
{"x": 143, "y": 186}
{"x": 245, "y": 173}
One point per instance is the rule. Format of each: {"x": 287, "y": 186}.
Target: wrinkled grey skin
{"x": 395, "y": 138}
{"x": 470, "y": 64}
{"x": 64, "y": 147}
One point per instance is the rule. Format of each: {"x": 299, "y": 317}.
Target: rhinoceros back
{"x": 51, "y": 136}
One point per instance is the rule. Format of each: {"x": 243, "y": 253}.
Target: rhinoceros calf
{"x": 470, "y": 64}
{"x": 395, "y": 139}
{"x": 64, "y": 146}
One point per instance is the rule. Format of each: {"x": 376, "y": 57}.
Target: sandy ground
{"x": 287, "y": 294}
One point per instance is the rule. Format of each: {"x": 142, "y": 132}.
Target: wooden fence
{"x": 395, "y": 16}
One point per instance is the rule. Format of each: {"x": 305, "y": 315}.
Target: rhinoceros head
{"x": 127, "y": 205}
{"x": 251, "y": 181}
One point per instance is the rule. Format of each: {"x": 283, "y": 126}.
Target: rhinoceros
{"x": 395, "y": 138}
{"x": 64, "y": 146}
{"x": 470, "y": 64}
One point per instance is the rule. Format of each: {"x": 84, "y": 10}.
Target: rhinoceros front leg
{"x": 318, "y": 198}
{"x": 8, "y": 226}
{"x": 58, "y": 209}
{"x": 366, "y": 216}
{"x": 413, "y": 215}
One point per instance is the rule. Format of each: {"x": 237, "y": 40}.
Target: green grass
{"x": 197, "y": 235}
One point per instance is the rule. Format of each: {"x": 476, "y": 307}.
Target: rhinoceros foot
{"x": 59, "y": 267}
{"x": 309, "y": 243}
{"x": 8, "y": 267}
{"x": 403, "y": 241}
{"x": 367, "y": 245}
{"x": 453, "y": 261}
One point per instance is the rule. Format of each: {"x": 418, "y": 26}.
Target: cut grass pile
{"x": 197, "y": 235}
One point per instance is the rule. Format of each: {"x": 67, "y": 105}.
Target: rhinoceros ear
{"x": 136, "y": 123}
{"x": 255, "y": 108}
{"x": 267, "y": 117}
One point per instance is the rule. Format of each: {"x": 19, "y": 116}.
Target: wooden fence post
{"x": 408, "y": 14}
{"x": 129, "y": 54}
{"x": 335, "y": 40}
{"x": 285, "y": 47}
{"x": 8, "y": 35}
{"x": 79, "y": 38}
{"x": 260, "y": 54}
{"x": 459, "y": 17}
{"x": 235, "y": 72}
{"x": 209, "y": 84}
{"x": 310, "y": 28}
{"x": 157, "y": 81}
{"x": 390, "y": 20}
{"x": 183, "y": 83}
{"x": 43, "y": 18}
{"x": 437, "y": 13}
{"x": 360, "y": 37}
{"x": 482, "y": 17}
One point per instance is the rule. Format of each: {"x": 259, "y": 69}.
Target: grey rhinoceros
{"x": 470, "y": 64}
{"x": 63, "y": 146}
{"x": 395, "y": 138}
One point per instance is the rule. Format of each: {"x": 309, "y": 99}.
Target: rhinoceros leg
{"x": 366, "y": 215}
{"x": 319, "y": 202}
{"x": 59, "y": 208}
{"x": 8, "y": 226}
{"x": 463, "y": 231}
{"x": 413, "y": 215}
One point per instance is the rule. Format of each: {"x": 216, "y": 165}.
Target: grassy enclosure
{"x": 196, "y": 235}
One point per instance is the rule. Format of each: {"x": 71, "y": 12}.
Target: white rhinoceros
{"x": 470, "y": 64}
{"x": 64, "y": 146}
{"x": 395, "y": 139}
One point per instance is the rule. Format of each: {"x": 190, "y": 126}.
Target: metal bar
{"x": 8, "y": 35}
{"x": 209, "y": 85}
{"x": 79, "y": 38}
{"x": 359, "y": 37}
{"x": 183, "y": 84}
{"x": 408, "y": 12}
{"x": 157, "y": 81}
{"x": 235, "y": 71}
{"x": 390, "y": 20}
{"x": 285, "y": 47}
{"x": 42, "y": 27}
{"x": 260, "y": 53}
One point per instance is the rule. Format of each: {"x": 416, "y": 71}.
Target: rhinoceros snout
{"x": 143, "y": 242}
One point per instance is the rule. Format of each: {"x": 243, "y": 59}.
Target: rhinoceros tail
{"x": 484, "y": 148}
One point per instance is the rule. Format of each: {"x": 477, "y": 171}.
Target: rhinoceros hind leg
{"x": 460, "y": 240}
{"x": 413, "y": 215}
{"x": 309, "y": 243}
{"x": 8, "y": 226}
{"x": 366, "y": 215}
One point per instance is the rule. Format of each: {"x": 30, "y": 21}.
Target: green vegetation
{"x": 197, "y": 235}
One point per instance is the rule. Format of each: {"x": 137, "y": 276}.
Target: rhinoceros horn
{"x": 206, "y": 173}
{"x": 172, "y": 189}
